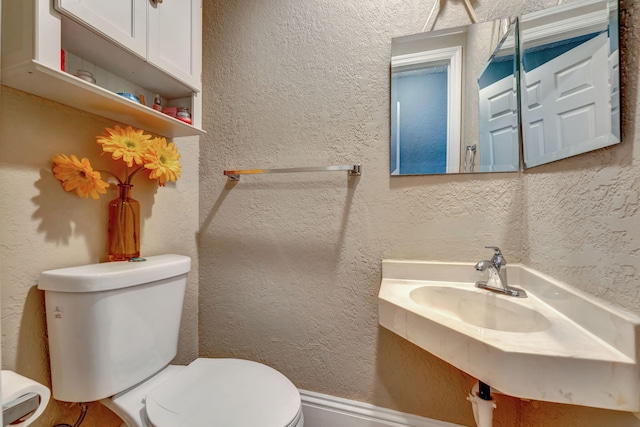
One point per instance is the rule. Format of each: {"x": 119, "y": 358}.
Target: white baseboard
{"x": 321, "y": 410}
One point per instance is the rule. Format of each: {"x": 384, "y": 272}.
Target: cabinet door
{"x": 122, "y": 21}
{"x": 175, "y": 39}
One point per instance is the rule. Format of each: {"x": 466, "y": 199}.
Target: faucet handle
{"x": 496, "y": 250}
{"x": 498, "y": 258}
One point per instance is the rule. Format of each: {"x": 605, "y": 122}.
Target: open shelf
{"x": 41, "y": 80}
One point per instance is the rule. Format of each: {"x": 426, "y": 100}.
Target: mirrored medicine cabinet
{"x": 473, "y": 98}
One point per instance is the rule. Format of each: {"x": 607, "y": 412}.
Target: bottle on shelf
{"x": 184, "y": 115}
{"x": 157, "y": 103}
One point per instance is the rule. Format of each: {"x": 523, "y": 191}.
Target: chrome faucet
{"x": 497, "y": 268}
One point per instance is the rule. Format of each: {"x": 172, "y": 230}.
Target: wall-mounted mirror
{"x": 570, "y": 80}
{"x": 454, "y": 100}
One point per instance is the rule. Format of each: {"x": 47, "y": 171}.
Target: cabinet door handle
{"x": 156, "y": 2}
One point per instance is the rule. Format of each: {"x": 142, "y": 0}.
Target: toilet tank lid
{"x": 114, "y": 275}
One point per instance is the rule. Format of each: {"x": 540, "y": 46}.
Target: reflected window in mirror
{"x": 435, "y": 98}
{"x": 570, "y": 80}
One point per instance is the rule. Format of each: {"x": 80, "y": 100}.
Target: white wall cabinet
{"x": 133, "y": 46}
{"x": 174, "y": 39}
{"x": 167, "y": 33}
{"x": 122, "y": 21}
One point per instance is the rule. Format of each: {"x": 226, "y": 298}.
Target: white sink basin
{"x": 557, "y": 345}
{"x": 480, "y": 308}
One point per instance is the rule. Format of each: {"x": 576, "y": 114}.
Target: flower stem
{"x": 112, "y": 174}
{"x": 138, "y": 169}
{"x": 120, "y": 222}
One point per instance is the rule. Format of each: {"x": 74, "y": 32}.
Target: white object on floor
{"x": 15, "y": 386}
{"x": 482, "y": 409}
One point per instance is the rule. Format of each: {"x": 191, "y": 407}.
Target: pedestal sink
{"x": 558, "y": 345}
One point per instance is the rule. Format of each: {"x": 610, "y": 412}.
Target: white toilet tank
{"x": 112, "y": 325}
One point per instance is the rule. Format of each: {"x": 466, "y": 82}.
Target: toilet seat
{"x": 224, "y": 392}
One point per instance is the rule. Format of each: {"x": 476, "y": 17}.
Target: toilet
{"x": 113, "y": 329}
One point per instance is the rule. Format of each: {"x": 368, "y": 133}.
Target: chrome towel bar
{"x": 353, "y": 170}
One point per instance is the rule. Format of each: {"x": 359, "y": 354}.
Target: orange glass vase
{"x": 124, "y": 226}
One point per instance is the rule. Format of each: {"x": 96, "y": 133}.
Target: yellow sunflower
{"x": 163, "y": 161}
{"x": 78, "y": 175}
{"x": 127, "y": 144}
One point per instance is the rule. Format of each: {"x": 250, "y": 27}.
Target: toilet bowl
{"x": 113, "y": 331}
{"x": 211, "y": 392}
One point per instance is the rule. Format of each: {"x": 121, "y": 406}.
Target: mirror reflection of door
{"x": 570, "y": 90}
{"x": 499, "y": 146}
{"x": 564, "y": 112}
{"x": 420, "y": 121}
{"x": 435, "y": 98}
{"x": 426, "y": 112}
{"x": 498, "y": 133}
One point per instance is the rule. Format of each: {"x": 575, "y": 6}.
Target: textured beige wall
{"x": 44, "y": 227}
{"x": 291, "y": 263}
